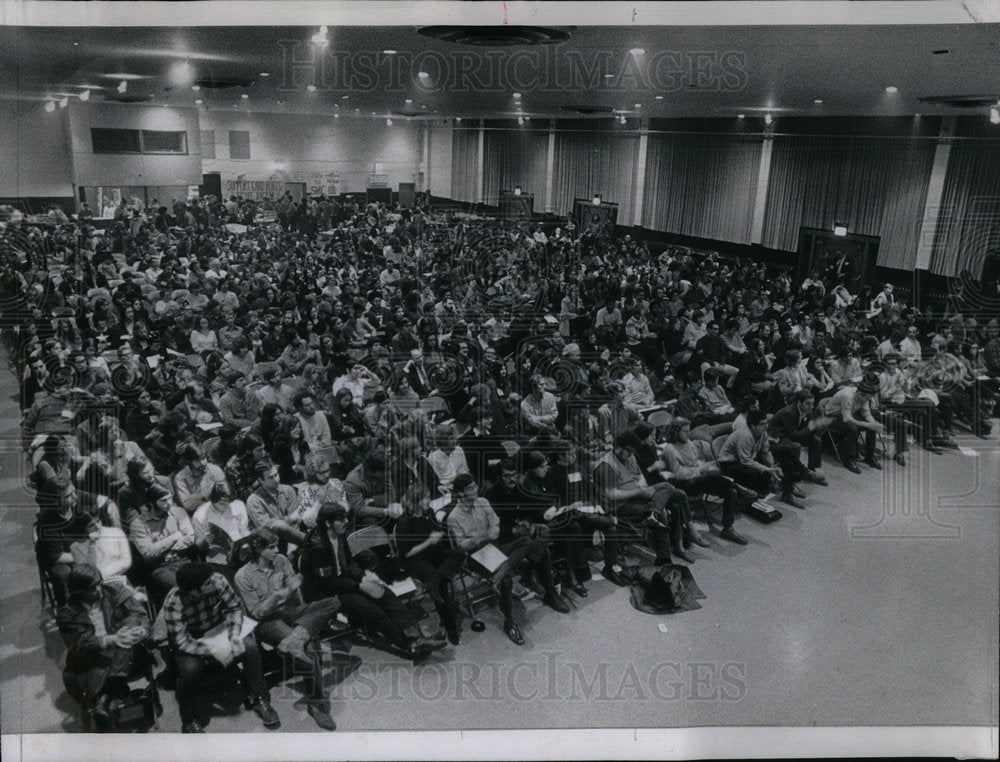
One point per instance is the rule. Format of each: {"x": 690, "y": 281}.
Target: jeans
{"x": 436, "y": 570}
{"x": 386, "y": 615}
{"x": 193, "y": 671}
{"x": 714, "y": 484}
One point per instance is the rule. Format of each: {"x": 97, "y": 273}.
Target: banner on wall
{"x": 326, "y": 184}
{"x": 254, "y": 189}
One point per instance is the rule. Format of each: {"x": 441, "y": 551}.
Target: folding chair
{"x": 377, "y": 540}
{"x": 45, "y": 586}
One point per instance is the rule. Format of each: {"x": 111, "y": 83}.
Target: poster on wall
{"x": 256, "y": 190}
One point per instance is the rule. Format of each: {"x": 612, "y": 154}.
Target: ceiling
{"x": 698, "y": 71}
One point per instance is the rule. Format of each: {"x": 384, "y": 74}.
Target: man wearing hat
{"x": 851, "y": 411}
{"x": 897, "y": 403}
{"x": 329, "y": 569}
{"x": 102, "y": 625}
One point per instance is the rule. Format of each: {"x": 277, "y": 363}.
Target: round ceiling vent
{"x": 497, "y": 36}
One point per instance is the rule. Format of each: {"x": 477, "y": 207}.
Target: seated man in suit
{"x": 269, "y": 588}
{"x": 329, "y": 569}
{"x": 102, "y": 625}
{"x": 795, "y": 427}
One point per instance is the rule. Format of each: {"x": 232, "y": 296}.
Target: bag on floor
{"x": 664, "y": 589}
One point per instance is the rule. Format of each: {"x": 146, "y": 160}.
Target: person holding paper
{"x": 269, "y": 588}
{"x": 329, "y": 569}
{"x": 204, "y": 619}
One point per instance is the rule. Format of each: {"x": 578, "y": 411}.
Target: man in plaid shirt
{"x": 197, "y": 613}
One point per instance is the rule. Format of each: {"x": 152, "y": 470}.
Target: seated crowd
{"x": 213, "y": 418}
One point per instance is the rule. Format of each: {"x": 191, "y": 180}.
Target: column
{"x": 480, "y": 156}
{"x": 550, "y": 164}
{"x": 935, "y": 190}
{"x": 640, "y": 173}
{"x": 763, "y": 178}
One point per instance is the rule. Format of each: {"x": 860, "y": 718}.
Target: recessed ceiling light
{"x": 638, "y": 105}
{"x": 637, "y": 51}
{"x": 423, "y": 74}
{"x": 336, "y": 116}
{"x": 198, "y": 102}
{"x": 122, "y": 86}
{"x": 409, "y": 100}
{"x": 50, "y": 106}
{"x": 311, "y": 88}
{"x": 85, "y": 95}
{"x": 244, "y": 96}
{"x": 892, "y": 89}
{"x": 767, "y": 119}
{"x": 609, "y": 76}
{"x": 817, "y": 100}
{"x": 517, "y": 95}
{"x": 389, "y": 52}
{"x": 741, "y": 116}
{"x": 659, "y": 97}
{"x": 357, "y": 109}
{"x": 76, "y": 44}
{"x": 265, "y": 74}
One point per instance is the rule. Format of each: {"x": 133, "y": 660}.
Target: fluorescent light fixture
{"x": 311, "y": 88}
{"x": 638, "y": 105}
{"x": 892, "y": 89}
{"x": 423, "y": 75}
{"x": 767, "y": 119}
{"x": 840, "y": 228}
{"x": 388, "y": 52}
{"x": 50, "y": 105}
{"x": 244, "y": 96}
{"x": 516, "y": 96}
{"x": 408, "y": 101}
{"x": 85, "y": 95}
{"x": 659, "y": 97}
{"x": 741, "y": 116}
{"x": 180, "y": 73}
{"x": 638, "y": 51}
{"x": 597, "y": 199}
{"x": 388, "y": 122}
{"x": 817, "y": 101}
{"x": 64, "y": 102}
{"x": 520, "y": 120}
{"x": 265, "y": 74}
{"x": 122, "y": 86}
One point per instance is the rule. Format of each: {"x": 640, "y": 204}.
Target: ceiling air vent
{"x": 497, "y": 36}
{"x": 127, "y": 98}
{"x": 224, "y": 83}
{"x": 587, "y": 110}
{"x": 961, "y": 101}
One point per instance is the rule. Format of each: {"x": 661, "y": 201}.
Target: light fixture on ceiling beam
{"x": 85, "y": 95}
{"x": 840, "y": 229}
{"x": 891, "y": 89}
{"x": 517, "y": 190}
{"x": 265, "y": 74}
{"x": 768, "y": 119}
{"x": 995, "y": 114}
{"x": 818, "y": 101}
{"x": 516, "y": 96}
{"x": 658, "y": 97}
{"x": 123, "y": 86}
{"x": 520, "y": 120}
{"x": 50, "y": 105}
{"x": 64, "y": 102}
{"x": 597, "y": 199}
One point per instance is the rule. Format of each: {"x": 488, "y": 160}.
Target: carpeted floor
{"x": 877, "y": 605}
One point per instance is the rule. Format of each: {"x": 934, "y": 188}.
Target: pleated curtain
{"x": 515, "y": 157}
{"x": 701, "y": 185}
{"x": 595, "y": 162}
{"x": 465, "y": 165}
{"x": 969, "y": 220}
{"x": 877, "y": 186}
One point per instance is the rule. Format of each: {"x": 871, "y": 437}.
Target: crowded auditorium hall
{"x": 612, "y": 403}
